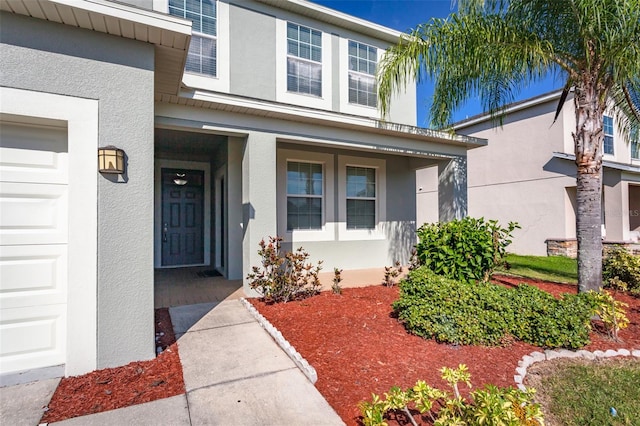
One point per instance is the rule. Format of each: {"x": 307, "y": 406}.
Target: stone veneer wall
{"x": 569, "y": 247}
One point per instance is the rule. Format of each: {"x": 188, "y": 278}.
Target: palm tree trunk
{"x": 588, "y": 140}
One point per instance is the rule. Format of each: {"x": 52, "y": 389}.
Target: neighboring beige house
{"x": 526, "y": 173}
{"x": 239, "y": 120}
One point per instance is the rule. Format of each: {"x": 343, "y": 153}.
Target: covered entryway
{"x": 198, "y": 219}
{"x": 182, "y": 217}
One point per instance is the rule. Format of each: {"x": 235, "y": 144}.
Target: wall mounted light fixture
{"x": 110, "y": 160}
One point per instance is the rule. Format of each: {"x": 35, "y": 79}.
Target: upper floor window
{"x": 304, "y": 60}
{"x": 361, "y": 197}
{"x": 304, "y": 195}
{"x": 635, "y": 144}
{"x": 363, "y": 60}
{"x": 608, "y": 135}
{"x": 202, "y": 55}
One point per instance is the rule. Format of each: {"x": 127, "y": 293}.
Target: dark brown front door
{"x": 182, "y": 217}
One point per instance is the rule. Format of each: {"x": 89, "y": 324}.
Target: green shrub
{"x": 284, "y": 277}
{"x": 451, "y": 311}
{"x": 467, "y": 249}
{"x": 621, "y": 269}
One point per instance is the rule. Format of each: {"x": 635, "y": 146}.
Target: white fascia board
{"x": 332, "y": 15}
{"x": 517, "y": 106}
{"x": 131, "y": 14}
{"x": 371, "y": 125}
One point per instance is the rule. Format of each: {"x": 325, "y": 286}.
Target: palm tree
{"x": 493, "y": 48}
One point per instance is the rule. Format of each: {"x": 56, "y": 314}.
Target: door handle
{"x": 165, "y": 229}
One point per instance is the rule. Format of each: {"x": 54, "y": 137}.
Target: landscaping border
{"x": 306, "y": 368}
{"x": 548, "y": 355}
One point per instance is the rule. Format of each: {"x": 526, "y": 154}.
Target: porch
{"x": 189, "y": 286}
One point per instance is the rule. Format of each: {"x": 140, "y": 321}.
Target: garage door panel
{"x": 33, "y": 214}
{"x": 31, "y": 339}
{"x": 33, "y": 154}
{"x": 33, "y": 275}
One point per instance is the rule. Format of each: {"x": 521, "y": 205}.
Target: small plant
{"x": 391, "y": 273}
{"x": 611, "y": 312}
{"x": 468, "y": 249}
{"x": 621, "y": 270}
{"x": 336, "y": 287}
{"x": 284, "y": 277}
{"x": 489, "y": 406}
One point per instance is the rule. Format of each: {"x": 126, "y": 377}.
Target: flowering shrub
{"x": 284, "y": 277}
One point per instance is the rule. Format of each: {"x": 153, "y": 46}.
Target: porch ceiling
{"x": 169, "y": 35}
{"x": 168, "y": 143}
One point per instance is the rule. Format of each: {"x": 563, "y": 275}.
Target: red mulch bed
{"x": 357, "y": 347}
{"x": 120, "y": 387}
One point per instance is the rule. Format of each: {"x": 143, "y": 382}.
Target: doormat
{"x": 209, "y": 273}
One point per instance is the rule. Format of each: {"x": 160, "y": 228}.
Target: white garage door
{"x": 33, "y": 246}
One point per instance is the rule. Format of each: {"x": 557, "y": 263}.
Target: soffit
{"x": 169, "y": 35}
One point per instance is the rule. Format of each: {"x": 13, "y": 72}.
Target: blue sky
{"x": 404, "y": 15}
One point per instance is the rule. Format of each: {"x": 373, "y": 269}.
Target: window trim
{"x": 361, "y": 74}
{"x": 296, "y": 98}
{"x": 201, "y": 34}
{"x": 304, "y": 60}
{"x": 221, "y": 81}
{"x": 327, "y": 231}
{"x": 635, "y": 139}
{"x": 345, "y": 105}
{"x": 307, "y": 196}
{"x": 612, "y": 135}
{"x": 377, "y": 233}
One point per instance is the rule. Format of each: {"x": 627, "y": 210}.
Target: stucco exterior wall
{"x": 119, "y": 74}
{"x": 516, "y": 178}
{"x": 252, "y": 60}
{"x": 252, "y": 43}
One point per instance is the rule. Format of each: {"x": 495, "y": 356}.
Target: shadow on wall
{"x": 452, "y": 189}
{"x": 402, "y": 237}
{"x": 560, "y": 166}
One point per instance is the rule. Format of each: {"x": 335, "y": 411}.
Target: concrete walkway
{"x": 234, "y": 373}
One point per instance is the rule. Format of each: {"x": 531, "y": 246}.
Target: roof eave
{"x": 169, "y": 35}
{"x": 335, "y": 17}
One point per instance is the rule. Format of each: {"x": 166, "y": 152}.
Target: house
{"x": 235, "y": 120}
{"x": 527, "y": 174}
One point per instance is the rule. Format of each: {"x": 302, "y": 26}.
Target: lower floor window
{"x": 361, "y": 197}
{"x": 304, "y": 195}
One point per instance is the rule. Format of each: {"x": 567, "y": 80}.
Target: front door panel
{"x": 182, "y": 217}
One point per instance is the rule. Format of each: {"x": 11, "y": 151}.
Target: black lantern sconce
{"x": 110, "y": 160}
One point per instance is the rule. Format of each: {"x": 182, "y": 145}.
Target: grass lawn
{"x": 548, "y": 268}
{"x": 579, "y": 394}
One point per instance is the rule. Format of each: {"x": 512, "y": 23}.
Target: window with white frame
{"x": 635, "y": 144}
{"x": 304, "y": 60}
{"x": 361, "y": 197}
{"x": 608, "y": 135}
{"x": 305, "y": 193}
{"x": 363, "y": 60}
{"x": 202, "y": 54}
